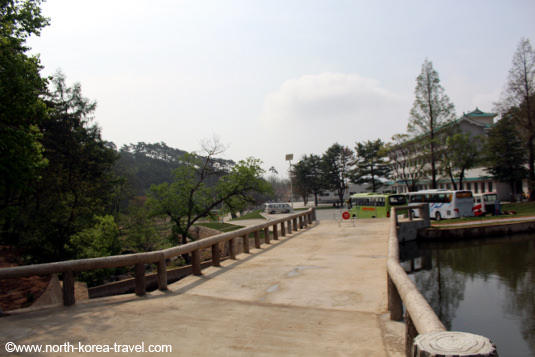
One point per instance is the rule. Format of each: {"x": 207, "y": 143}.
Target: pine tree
{"x": 371, "y": 164}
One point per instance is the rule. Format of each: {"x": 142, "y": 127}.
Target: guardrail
{"x": 68, "y": 268}
{"x": 425, "y": 335}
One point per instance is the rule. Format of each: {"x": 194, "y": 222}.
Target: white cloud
{"x": 335, "y": 100}
{"x": 307, "y": 115}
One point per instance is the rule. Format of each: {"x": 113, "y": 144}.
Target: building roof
{"x": 479, "y": 113}
{"x": 479, "y": 118}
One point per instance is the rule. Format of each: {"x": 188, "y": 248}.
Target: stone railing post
{"x": 140, "y": 279}
{"x": 283, "y": 230}
{"x": 424, "y": 214}
{"x": 289, "y": 226}
{"x": 216, "y": 257}
{"x": 395, "y": 304}
{"x": 275, "y": 232}
{"x": 266, "y": 235}
{"x": 68, "y": 288}
{"x": 196, "y": 262}
{"x": 410, "y": 334}
{"x": 452, "y": 343}
{"x": 232, "y": 249}
{"x": 245, "y": 238}
{"x": 257, "y": 239}
{"x": 161, "y": 269}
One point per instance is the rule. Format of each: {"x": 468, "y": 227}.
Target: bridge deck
{"x": 317, "y": 292}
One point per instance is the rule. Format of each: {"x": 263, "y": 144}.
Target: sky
{"x": 275, "y": 77}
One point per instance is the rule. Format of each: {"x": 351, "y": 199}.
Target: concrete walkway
{"x": 317, "y": 292}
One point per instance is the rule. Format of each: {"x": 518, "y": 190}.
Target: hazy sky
{"x": 274, "y": 77}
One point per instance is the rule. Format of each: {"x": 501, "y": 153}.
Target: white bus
{"x": 444, "y": 203}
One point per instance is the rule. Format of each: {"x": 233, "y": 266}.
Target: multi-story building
{"x": 411, "y": 169}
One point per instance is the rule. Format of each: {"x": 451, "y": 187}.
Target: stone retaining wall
{"x": 463, "y": 233}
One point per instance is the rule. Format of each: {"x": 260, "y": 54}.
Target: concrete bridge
{"x": 321, "y": 291}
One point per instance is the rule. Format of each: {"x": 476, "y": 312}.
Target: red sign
{"x": 345, "y": 215}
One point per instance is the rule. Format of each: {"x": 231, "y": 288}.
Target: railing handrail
{"x": 425, "y": 334}
{"x": 135, "y": 258}
{"x": 424, "y": 318}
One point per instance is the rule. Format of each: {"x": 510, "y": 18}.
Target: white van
{"x": 277, "y": 208}
{"x": 485, "y": 203}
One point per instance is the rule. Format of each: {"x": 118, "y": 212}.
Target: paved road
{"x": 317, "y": 292}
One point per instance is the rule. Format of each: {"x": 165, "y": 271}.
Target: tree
{"x": 370, "y": 164}
{"x": 308, "y": 177}
{"x": 431, "y": 110}
{"x": 405, "y": 162}
{"x": 21, "y": 109}
{"x": 336, "y": 164}
{"x": 201, "y": 185}
{"x": 139, "y": 230}
{"x": 300, "y": 174}
{"x": 317, "y": 182}
{"x": 462, "y": 153}
{"x": 518, "y": 101}
{"x": 505, "y": 154}
{"x": 100, "y": 240}
{"x": 78, "y": 182}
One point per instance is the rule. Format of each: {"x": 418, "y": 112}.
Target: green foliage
{"x": 406, "y": 164}
{"x": 336, "y": 163}
{"x": 77, "y": 183}
{"x": 21, "y": 109}
{"x": 140, "y": 231}
{"x": 462, "y": 153}
{"x": 431, "y": 110}
{"x": 147, "y": 164}
{"x": 518, "y": 101}
{"x": 308, "y": 177}
{"x": 201, "y": 185}
{"x": 371, "y": 164}
{"x": 101, "y": 240}
{"x": 505, "y": 153}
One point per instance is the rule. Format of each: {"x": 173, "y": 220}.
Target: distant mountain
{"x": 145, "y": 165}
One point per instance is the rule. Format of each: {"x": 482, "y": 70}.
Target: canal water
{"x": 486, "y": 287}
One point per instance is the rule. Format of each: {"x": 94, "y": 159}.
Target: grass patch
{"x": 227, "y": 227}
{"x": 252, "y": 215}
{"x": 522, "y": 209}
{"x": 222, "y": 227}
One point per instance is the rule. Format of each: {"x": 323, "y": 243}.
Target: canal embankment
{"x": 480, "y": 229}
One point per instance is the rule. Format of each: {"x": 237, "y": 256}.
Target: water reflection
{"x": 480, "y": 286}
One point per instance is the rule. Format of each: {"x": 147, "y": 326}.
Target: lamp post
{"x": 289, "y": 158}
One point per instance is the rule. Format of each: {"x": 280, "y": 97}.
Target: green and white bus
{"x": 374, "y": 205}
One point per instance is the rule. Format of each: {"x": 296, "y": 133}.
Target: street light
{"x": 289, "y": 158}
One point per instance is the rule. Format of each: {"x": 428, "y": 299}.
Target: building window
{"x": 468, "y": 186}
{"x": 483, "y": 187}
{"x": 476, "y": 187}
{"x": 490, "y": 186}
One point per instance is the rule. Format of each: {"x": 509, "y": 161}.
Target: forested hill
{"x": 145, "y": 165}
